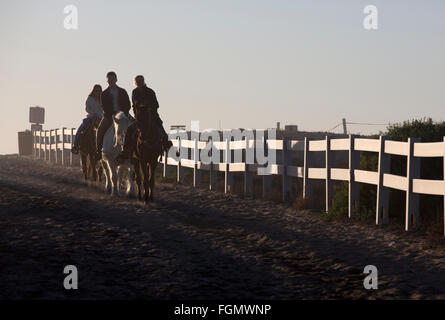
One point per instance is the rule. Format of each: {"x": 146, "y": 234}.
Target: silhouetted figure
{"x": 114, "y": 99}
{"x": 94, "y": 110}
{"x": 142, "y": 97}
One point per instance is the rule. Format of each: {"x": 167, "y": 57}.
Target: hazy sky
{"x": 246, "y": 63}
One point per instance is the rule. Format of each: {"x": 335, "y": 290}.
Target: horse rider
{"x": 114, "y": 100}
{"x": 94, "y": 111}
{"x": 142, "y": 96}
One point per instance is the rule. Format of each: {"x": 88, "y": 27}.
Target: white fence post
{"x": 71, "y": 141}
{"x": 63, "y": 146}
{"x": 44, "y": 143}
{"x": 287, "y": 180}
{"x": 56, "y": 147}
{"x": 196, "y": 172}
{"x": 212, "y": 172}
{"x": 47, "y": 145}
{"x": 51, "y": 143}
{"x": 165, "y": 165}
{"x": 248, "y": 180}
{"x": 267, "y": 177}
{"x": 354, "y": 187}
{"x": 179, "y": 171}
{"x": 412, "y": 199}
{"x": 40, "y": 144}
{"x": 34, "y": 149}
{"x": 382, "y": 205}
{"x": 227, "y": 161}
{"x": 307, "y": 185}
{"x": 34, "y": 143}
{"x": 443, "y": 160}
{"x": 328, "y": 173}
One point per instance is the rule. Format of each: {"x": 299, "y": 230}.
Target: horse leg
{"x": 83, "y": 159}
{"x": 93, "y": 168}
{"x": 152, "y": 168}
{"x": 130, "y": 181}
{"x": 137, "y": 177}
{"x": 100, "y": 171}
{"x": 107, "y": 176}
{"x": 90, "y": 167}
{"x": 120, "y": 173}
{"x": 113, "y": 172}
{"x": 137, "y": 171}
{"x": 144, "y": 169}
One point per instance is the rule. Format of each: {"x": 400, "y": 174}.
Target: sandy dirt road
{"x": 191, "y": 244}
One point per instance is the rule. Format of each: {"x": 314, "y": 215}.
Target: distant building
{"x": 290, "y": 129}
{"x": 177, "y": 127}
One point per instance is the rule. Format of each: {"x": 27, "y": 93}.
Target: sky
{"x": 243, "y": 63}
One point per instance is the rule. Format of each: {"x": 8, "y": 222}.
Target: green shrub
{"x": 339, "y": 205}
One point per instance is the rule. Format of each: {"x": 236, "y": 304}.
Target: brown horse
{"x": 87, "y": 151}
{"x": 148, "y": 150}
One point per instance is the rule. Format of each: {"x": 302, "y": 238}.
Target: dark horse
{"x": 148, "y": 150}
{"x": 87, "y": 150}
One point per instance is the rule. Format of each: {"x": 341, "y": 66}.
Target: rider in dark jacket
{"x": 114, "y": 99}
{"x": 142, "y": 96}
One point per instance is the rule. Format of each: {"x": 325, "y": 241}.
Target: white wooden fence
{"x": 55, "y": 145}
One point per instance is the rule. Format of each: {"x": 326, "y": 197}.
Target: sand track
{"x": 192, "y": 244}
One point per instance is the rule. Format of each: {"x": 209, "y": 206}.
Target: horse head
{"x": 150, "y": 130}
{"x": 121, "y": 123}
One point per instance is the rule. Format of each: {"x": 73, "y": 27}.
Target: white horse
{"x": 113, "y": 144}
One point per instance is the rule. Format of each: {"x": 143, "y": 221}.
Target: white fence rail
{"x": 55, "y": 145}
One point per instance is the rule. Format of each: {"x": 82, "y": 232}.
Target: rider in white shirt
{"x": 94, "y": 110}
